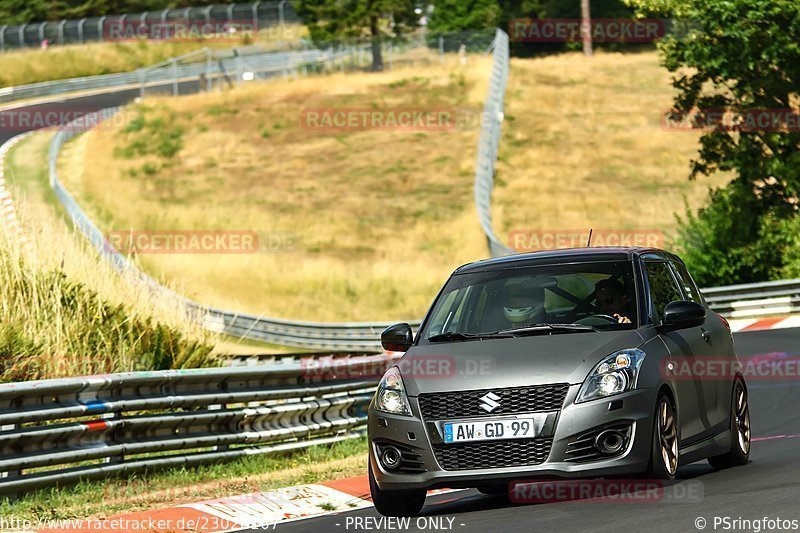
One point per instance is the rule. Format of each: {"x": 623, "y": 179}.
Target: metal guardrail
{"x": 171, "y": 72}
{"x": 59, "y": 431}
{"x": 752, "y": 300}
{"x": 489, "y": 142}
{"x": 260, "y": 14}
{"x": 352, "y": 336}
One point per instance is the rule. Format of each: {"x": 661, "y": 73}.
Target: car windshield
{"x": 542, "y": 299}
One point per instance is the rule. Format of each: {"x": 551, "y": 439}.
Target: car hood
{"x": 516, "y": 362}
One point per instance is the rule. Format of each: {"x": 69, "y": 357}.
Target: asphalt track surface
{"x": 769, "y": 486}
{"x": 9, "y": 119}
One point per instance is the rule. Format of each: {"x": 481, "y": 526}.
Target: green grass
{"x": 65, "y": 312}
{"x": 181, "y": 485}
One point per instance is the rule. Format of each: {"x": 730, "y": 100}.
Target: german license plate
{"x": 499, "y": 429}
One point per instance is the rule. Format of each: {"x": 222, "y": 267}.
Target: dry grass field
{"x": 368, "y": 222}
{"x": 584, "y": 147}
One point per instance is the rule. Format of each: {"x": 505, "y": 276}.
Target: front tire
{"x": 664, "y": 451}
{"x": 739, "y": 453}
{"x": 395, "y": 503}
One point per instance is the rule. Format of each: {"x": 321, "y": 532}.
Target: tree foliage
{"x": 333, "y": 21}
{"x": 738, "y": 59}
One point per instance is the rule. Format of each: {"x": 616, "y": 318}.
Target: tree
{"x": 734, "y": 65}
{"x": 332, "y": 21}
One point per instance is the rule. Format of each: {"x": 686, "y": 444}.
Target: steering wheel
{"x": 590, "y": 318}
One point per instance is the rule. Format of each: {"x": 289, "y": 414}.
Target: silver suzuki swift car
{"x": 571, "y": 363}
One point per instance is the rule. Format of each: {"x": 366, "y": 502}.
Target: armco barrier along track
{"x": 61, "y": 430}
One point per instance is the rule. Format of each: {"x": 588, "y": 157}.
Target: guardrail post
{"x": 219, "y": 447}
{"x": 254, "y": 11}
{"x": 281, "y": 17}
{"x": 174, "y": 77}
{"x": 10, "y": 473}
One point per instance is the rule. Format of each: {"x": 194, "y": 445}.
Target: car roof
{"x": 563, "y": 255}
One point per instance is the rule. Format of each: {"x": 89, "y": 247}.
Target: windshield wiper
{"x": 548, "y": 328}
{"x": 459, "y": 336}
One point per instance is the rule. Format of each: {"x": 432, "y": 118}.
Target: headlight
{"x": 615, "y": 374}
{"x": 391, "y": 395}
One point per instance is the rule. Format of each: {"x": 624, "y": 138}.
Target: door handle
{"x": 706, "y": 336}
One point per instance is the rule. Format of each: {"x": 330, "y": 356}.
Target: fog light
{"x": 390, "y": 458}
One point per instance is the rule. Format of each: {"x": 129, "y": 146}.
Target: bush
{"x": 736, "y": 238}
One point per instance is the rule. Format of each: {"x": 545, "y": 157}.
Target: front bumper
{"x": 637, "y": 409}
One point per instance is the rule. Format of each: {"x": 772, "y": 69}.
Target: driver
{"x": 612, "y": 299}
{"x": 524, "y": 304}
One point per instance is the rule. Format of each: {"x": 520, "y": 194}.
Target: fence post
{"x": 80, "y": 30}
{"x": 254, "y": 11}
{"x": 281, "y": 17}
{"x": 3, "y": 37}
{"x": 61, "y": 31}
{"x": 141, "y": 73}
{"x": 174, "y": 63}
{"x": 209, "y": 83}
{"x": 22, "y": 35}
{"x": 100, "y": 23}
{"x": 41, "y": 32}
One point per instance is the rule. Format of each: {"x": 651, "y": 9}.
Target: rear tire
{"x": 665, "y": 448}
{"x": 395, "y": 503}
{"x": 739, "y": 452}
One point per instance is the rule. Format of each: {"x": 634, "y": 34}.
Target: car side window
{"x": 663, "y": 288}
{"x": 690, "y": 290}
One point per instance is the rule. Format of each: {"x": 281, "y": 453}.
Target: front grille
{"x": 446, "y": 405}
{"x": 497, "y": 454}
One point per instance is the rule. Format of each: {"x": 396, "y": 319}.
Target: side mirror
{"x": 683, "y": 314}
{"x": 397, "y": 338}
